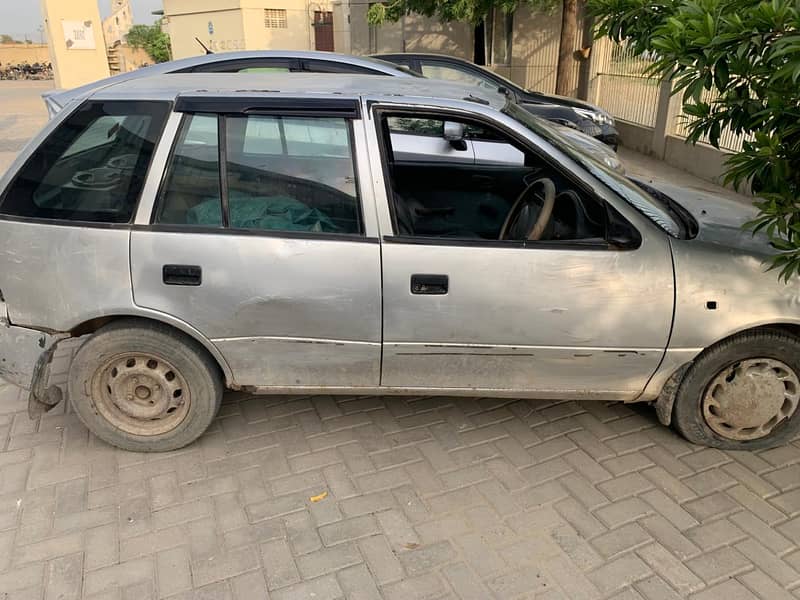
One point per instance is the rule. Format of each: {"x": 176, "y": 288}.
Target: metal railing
{"x": 728, "y": 140}
{"x": 625, "y": 90}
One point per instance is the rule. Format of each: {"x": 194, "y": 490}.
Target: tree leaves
{"x": 154, "y": 41}
{"x": 473, "y": 11}
{"x": 737, "y": 64}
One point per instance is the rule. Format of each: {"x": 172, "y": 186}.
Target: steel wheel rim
{"x": 749, "y": 399}
{"x": 141, "y": 393}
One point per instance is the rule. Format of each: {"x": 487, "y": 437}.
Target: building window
{"x": 275, "y": 18}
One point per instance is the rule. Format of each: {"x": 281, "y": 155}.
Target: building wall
{"x": 14, "y": 54}
{"x": 132, "y": 58}
{"x": 534, "y": 40}
{"x": 187, "y": 19}
{"x": 411, "y": 34}
{"x": 341, "y": 26}
{"x": 117, "y": 25}
{"x": 298, "y": 33}
{"x": 239, "y": 25}
{"x": 72, "y": 66}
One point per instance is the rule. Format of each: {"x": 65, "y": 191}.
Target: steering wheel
{"x": 521, "y": 207}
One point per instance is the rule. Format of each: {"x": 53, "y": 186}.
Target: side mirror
{"x": 454, "y": 133}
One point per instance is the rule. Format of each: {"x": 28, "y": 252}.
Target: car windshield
{"x": 653, "y": 208}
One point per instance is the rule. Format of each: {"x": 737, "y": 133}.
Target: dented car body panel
{"x": 20, "y": 352}
{"x": 303, "y": 312}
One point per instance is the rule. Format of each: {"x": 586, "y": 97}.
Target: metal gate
{"x": 323, "y": 30}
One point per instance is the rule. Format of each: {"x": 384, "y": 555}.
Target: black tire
{"x": 687, "y": 416}
{"x": 185, "y": 359}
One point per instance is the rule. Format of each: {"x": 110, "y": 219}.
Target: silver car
{"x": 174, "y": 236}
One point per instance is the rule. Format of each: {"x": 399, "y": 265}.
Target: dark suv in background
{"x": 590, "y": 119}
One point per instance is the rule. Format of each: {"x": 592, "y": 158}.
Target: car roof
{"x": 375, "y": 64}
{"x": 296, "y": 85}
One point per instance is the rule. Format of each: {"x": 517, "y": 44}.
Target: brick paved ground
{"x": 426, "y": 498}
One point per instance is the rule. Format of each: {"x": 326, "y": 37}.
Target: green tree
{"x": 475, "y": 11}
{"x": 6, "y": 39}
{"x": 737, "y": 64}
{"x": 152, "y": 39}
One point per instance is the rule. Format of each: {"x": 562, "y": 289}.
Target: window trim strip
{"x": 347, "y": 108}
{"x": 222, "y": 154}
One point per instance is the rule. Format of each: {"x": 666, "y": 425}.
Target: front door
{"x": 258, "y": 241}
{"x": 323, "y": 30}
{"x": 471, "y": 303}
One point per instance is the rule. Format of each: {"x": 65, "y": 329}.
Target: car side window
{"x": 280, "y": 174}
{"x": 327, "y": 66}
{"x": 448, "y": 73}
{"x": 435, "y": 128}
{"x": 246, "y": 65}
{"x": 499, "y": 196}
{"x": 92, "y": 167}
{"x": 190, "y": 194}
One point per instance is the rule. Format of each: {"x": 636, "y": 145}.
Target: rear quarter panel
{"x": 55, "y": 277}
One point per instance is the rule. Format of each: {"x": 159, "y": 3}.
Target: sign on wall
{"x": 79, "y": 35}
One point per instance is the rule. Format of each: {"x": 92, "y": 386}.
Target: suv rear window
{"x": 92, "y": 167}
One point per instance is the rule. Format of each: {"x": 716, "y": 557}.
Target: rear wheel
{"x": 742, "y": 393}
{"x": 143, "y": 387}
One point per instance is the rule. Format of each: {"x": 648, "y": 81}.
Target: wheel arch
{"x": 93, "y": 324}
{"x": 671, "y": 380}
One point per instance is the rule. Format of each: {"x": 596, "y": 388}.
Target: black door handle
{"x": 182, "y": 275}
{"x": 430, "y": 284}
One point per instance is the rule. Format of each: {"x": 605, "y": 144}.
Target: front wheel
{"x": 143, "y": 387}
{"x": 743, "y": 393}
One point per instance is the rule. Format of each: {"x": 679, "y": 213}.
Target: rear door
{"x": 259, "y": 241}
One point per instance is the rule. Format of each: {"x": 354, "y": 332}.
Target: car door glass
{"x": 264, "y": 70}
{"x": 320, "y": 137}
{"x": 327, "y": 66}
{"x": 448, "y": 73}
{"x": 438, "y": 196}
{"x": 92, "y": 167}
{"x": 416, "y": 126}
{"x": 191, "y": 193}
{"x": 282, "y": 174}
{"x": 304, "y": 183}
{"x": 246, "y": 65}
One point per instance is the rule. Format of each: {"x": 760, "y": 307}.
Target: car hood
{"x": 719, "y": 218}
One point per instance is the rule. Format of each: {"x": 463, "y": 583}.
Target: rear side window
{"x": 277, "y": 174}
{"x": 92, "y": 167}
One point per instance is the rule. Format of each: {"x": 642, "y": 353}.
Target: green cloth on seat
{"x": 269, "y": 213}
